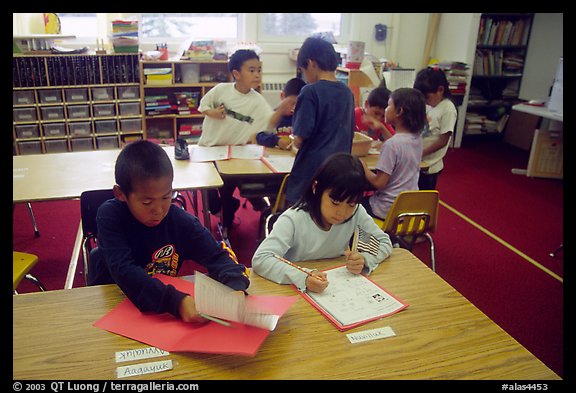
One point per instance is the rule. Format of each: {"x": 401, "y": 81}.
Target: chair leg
{"x": 432, "y": 258}
{"x": 553, "y": 254}
{"x": 34, "y": 280}
{"x": 36, "y": 231}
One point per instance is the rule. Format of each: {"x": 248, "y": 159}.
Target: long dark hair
{"x": 343, "y": 175}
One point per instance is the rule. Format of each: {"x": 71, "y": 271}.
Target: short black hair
{"x": 379, "y": 97}
{"x": 428, "y": 80}
{"x": 342, "y": 174}
{"x": 413, "y": 105}
{"x": 141, "y": 160}
{"x": 239, "y": 57}
{"x": 293, "y": 87}
{"x": 319, "y": 50}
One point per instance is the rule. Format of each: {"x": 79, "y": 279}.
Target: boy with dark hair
{"x": 141, "y": 233}
{"x": 323, "y": 121}
{"x": 234, "y": 112}
{"x": 280, "y": 137}
{"x": 370, "y": 118}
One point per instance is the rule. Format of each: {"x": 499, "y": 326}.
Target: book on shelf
{"x": 502, "y": 32}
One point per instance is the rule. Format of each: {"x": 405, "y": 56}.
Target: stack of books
{"x": 200, "y": 50}
{"x": 498, "y": 63}
{"x": 187, "y": 102}
{"x": 158, "y": 105}
{"x": 456, "y": 74}
{"x": 125, "y": 36}
{"x": 158, "y": 76}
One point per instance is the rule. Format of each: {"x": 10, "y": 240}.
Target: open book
{"x": 353, "y": 299}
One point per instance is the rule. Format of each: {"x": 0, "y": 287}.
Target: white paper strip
{"x": 143, "y": 368}
{"x": 372, "y": 334}
{"x": 139, "y": 354}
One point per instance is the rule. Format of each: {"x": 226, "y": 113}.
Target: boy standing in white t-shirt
{"x": 234, "y": 113}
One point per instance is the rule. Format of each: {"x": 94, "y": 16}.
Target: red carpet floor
{"x": 526, "y": 213}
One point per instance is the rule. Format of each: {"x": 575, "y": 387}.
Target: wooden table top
{"x": 439, "y": 336}
{"x": 41, "y": 177}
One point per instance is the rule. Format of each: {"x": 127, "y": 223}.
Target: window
{"x": 79, "y": 24}
{"x": 200, "y": 26}
{"x": 297, "y": 26}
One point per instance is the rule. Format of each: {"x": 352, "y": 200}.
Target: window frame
{"x": 262, "y": 37}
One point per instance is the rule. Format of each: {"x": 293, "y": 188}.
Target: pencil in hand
{"x": 286, "y": 261}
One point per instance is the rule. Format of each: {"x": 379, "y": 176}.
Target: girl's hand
{"x": 188, "y": 313}
{"x": 317, "y": 285}
{"x": 354, "y": 262}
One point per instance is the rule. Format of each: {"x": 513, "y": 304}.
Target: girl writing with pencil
{"x": 321, "y": 225}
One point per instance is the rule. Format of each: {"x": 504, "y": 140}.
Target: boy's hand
{"x": 287, "y": 105}
{"x": 284, "y": 143}
{"x": 354, "y": 262}
{"x": 188, "y": 313}
{"x": 314, "y": 284}
{"x": 217, "y": 113}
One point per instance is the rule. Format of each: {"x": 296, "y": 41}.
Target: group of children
{"x": 141, "y": 233}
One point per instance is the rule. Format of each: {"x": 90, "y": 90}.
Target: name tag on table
{"x": 372, "y": 334}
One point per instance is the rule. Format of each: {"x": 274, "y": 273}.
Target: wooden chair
{"x": 413, "y": 214}
{"x": 271, "y": 214}
{"x": 22, "y": 263}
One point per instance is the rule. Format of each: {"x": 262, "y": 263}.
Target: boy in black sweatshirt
{"x": 141, "y": 233}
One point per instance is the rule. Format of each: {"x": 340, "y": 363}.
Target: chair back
{"x": 280, "y": 204}
{"x": 269, "y": 215}
{"x": 90, "y": 201}
{"x": 413, "y": 213}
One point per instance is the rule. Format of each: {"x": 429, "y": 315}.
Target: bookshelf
{"x": 501, "y": 49}
{"x": 66, "y": 103}
{"x": 355, "y": 79}
{"x": 172, "y": 91}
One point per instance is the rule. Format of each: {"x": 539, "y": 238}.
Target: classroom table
{"x": 58, "y": 176}
{"x": 441, "y": 335}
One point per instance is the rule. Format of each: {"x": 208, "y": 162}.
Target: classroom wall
{"x": 544, "y": 52}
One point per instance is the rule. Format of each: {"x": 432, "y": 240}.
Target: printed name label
{"x": 139, "y": 354}
{"x": 144, "y": 368}
{"x": 372, "y": 334}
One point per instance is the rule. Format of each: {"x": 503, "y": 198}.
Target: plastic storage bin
{"x": 102, "y": 93}
{"x": 27, "y": 131}
{"x": 50, "y": 96}
{"x": 78, "y": 111}
{"x": 81, "y": 128}
{"x": 76, "y": 95}
{"x": 52, "y": 113}
{"x": 56, "y": 146}
{"x": 82, "y": 144}
{"x": 103, "y": 110}
{"x": 129, "y": 108}
{"x": 23, "y": 97}
{"x": 107, "y": 142}
{"x": 128, "y": 92}
{"x": 54, "y": 129}
{"x": 105, "y": 126}
{"x": 130, "y": 125}
{"x": 30, "y": 147}
{"x": 25, "y": 114}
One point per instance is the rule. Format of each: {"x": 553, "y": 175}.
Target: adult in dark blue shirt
{"x": 141, "y": 233}
{"x": 323, "y": 121}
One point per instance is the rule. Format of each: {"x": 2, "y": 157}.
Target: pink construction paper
{"x": 166, "y": 332}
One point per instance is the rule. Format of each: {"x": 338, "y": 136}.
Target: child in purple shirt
{"x": 398, "y": 165}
